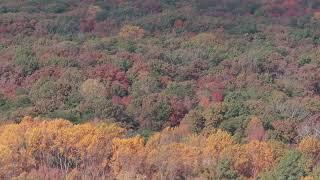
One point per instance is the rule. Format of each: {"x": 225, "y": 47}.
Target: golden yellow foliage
{"x": 34, "y": 143}
{"x": 40, "y": 148}
{"x": 128, "y": 157}
{"x": 217, "y": 142}
{"x": 174, "y": 160}
{"x": 261, "y": 156}
{"x": 130, "y": 31}
{"x": 310, "y": 145}
{"x": 308, "y": 178}
{"x": 206, "y": 39}
{"x": 13, "y": 153}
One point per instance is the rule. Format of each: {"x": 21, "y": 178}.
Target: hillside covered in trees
{"x": 160, "y": 89}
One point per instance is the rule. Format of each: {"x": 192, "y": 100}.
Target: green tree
{"x": 225, "y": 170}
{"x": 44, "y": 96}
{"x": 26, "y": 59}
{"x": 156, "y": 111}
{"x": 289, "y": 168}
{"x": 195, "y": 120}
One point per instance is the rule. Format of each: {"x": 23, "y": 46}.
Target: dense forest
{"x": 160, "y": 89}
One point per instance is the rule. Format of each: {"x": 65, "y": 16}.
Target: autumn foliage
{"x": 56, "y": 148}
{"x": 160, "y": 89}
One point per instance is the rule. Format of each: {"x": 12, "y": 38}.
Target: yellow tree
{"x": 216, "y": 146}
{"x": 174, "y": 160}
{"x": 13, "y": 154}
{"x": 91, "y": 145}
{"x": 41, "y": 143}
{"x": 130, "y": 31}
{"x": 218, "y": 142}
{"x": 311, "y": 147}
{"x": 260, "y": 157}
{"x": 87, "y": 147}
{"x": 128, "y": 157}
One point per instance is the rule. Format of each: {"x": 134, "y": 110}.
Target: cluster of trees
{"x": 43, "y": 148}
{"x": 150, "y": 65}
{"x": 150, "y": 69}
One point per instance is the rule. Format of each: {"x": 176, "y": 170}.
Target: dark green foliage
{"x": 304, "y": 61}
{"x": 145, "y": 86}
{"x": 120, "y": 13}
{"x": 44, "y": 95}
{"x": 316, "y": 39}
{"x": 64, "y": 25}
{"x": 123, "y": 13}
{"x": 119, "y": 90}
{"x": 23, "y": 101}
{"x": 301, "y": 34}
{"x": 228, "y": 6}
{"x": 72, "y": 115}
{"x": 57, "y": 7}
{"x": 104, "y": 13}
{"x": 316, "y": 87}
{"x": 56, "y": 61}
{"x": 161, "y": 111}
{"x": 3, "y": 100}
{"x": 25, "y": 58}
{"x": 169, "y": 3}
{"x": 225, "y": 171}
{"x": 155, "y": 111}
{"x": 145, "y": 133}
{"x": 235, "y": 111}
{"x": 282, "y": 51}
{"x": 242, "y": 28}
{"x": 4, "y": 10}
{"x": 196, "y": 121}
{"x": 180, "y": 90}
{"x": 128, "y": 45}
{"x": 100, "y": 108}
{"x": 124, "y": 64}
{"x": 165, "y": 23}
{"x": 289, "y": 168}
{"x": 48, "y": 6}
{"x": 300, "y": 22}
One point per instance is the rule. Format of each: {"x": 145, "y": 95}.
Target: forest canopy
{"x": 179, "y": 89}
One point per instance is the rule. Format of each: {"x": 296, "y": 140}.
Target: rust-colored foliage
{"x": 109, "y": 73}
{"x": 15, "y": 25}
{"x": 10, "y": 79}
{"x": 287, "y": 129}
{"x": 285, "y": 7}
{"x": 255, "y": 130}
{"x": 179, "y": 110}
